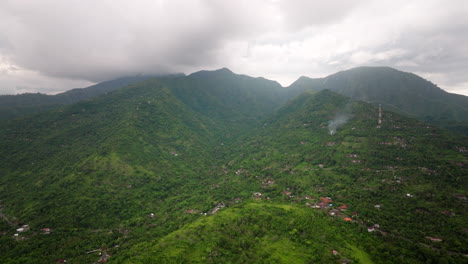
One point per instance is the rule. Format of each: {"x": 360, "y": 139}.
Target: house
{"x": 460, "y": 197}
{"x": 448, "y": 213}
{"x": 266, "y": 183}
{"x": 335, "y": 252}
{"x": 94, "y": 250}
{"x": 326, "y": 200}
{"x": 46, "y": 230}
{"x": 347, "y": 219}
{"x": 377, "y": 206}
{"x": 104, "y": 258}
{"x": 434, "y": 239}
{"x": 333, "y": 212}
{"x": 23, "y": 228}
{"x": 343, "y": 207}
{"x": 217, "y": 208}
{"x": 370, "y": 229}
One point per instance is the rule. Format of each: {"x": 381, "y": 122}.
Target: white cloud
{"x": 16, "y": 80}
{"x": 92, "y": 41}
{"x": 460, "y": 88}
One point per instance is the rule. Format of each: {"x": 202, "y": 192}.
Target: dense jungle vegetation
{"x": 216, "y": 167}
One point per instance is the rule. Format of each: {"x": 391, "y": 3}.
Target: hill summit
{"x": 398, "y": 91}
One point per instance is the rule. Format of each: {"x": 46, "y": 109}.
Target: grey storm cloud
{"x": 304, "y": 13}
{"x": 100, "y": 40}
{"x": 52, "y": 45}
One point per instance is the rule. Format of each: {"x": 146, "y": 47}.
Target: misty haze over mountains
{"x": 398, "y": 91}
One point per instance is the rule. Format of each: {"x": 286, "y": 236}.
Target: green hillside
{"x": 208, "y": 168}
{"x": 402, "y": 92}
{"x": 397, "y": 190}
{"x": 259, "y": 232}
{"x": 13, "y": 106}
{"x": 238, "y": 102}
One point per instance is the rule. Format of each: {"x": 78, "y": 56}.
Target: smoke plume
{"x": 339, "y": 120}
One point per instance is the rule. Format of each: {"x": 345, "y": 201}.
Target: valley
{"x": 217, "y": 167}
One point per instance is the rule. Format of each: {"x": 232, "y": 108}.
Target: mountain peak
{"x": 301, "y": 80}
{"x": 373, "y": 68}
{"x": 222, "y": 71}
{"x": 403, "y": 92}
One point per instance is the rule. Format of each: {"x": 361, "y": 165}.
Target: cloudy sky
{"x": 51, "y": 46}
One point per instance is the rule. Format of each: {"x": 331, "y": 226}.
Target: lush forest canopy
{"x": 216, "y": 167}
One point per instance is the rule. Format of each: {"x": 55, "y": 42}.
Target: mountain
{"x": 100, "y": 165}
{"x": 398, "y": 91}
{"x": 217, "y": 167}
{"x": 237, "y": 101}
{"x": 12, "y": 106}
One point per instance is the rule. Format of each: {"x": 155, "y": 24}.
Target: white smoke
{"x": 339, "y": 120}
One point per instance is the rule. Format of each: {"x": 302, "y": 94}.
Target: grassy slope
{"x": 256, "y": 232}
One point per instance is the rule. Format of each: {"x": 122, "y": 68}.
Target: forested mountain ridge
{"x": 402, "y": 92}
{"x": 212, "y": 168}
{"x": 239, "y": 101}
{"x": 12, "y": 106}
{"x": 399, "y": 91}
